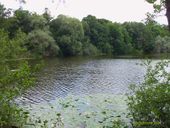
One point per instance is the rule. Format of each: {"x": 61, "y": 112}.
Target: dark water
{"x": 84, "y": 76}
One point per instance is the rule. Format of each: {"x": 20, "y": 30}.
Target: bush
{"x": 13, "y": 83}
{"x": 149, "y": 103}
{"x": 14, "y": 79}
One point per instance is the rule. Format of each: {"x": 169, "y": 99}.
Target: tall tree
{"x": 68, "y": 33}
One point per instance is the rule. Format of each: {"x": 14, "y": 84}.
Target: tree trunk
{"x": 167, "y": 3}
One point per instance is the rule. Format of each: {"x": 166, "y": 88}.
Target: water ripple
{"x": 84, "y": 76}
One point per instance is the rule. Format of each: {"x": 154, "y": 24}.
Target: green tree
{"x": 4, "y": 15}
{"x": 97, "y": 31}
{"x": 41, "y": 43}
{"x": 38, "y": 22}
{"x": 141, "y": 35}
{"x": 118, "y": 40}
{"x": 162, "y": 44}
{"x": 69, "y": 33}
{"x": 23, "y": 20}
{"x": 157, "y": 29}
{"x": 108, "y": 37}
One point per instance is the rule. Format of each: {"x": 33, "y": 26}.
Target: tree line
{"x": 67, "y": 36}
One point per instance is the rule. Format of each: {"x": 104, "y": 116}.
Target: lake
{"x": 84, "y": 76}
{"x": 85, "y": 92}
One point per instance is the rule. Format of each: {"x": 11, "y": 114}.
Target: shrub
{"x": 14, "y": 79}
{"x": 149, "y": 103}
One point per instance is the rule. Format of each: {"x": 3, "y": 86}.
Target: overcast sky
{"x": 114, "y": 10}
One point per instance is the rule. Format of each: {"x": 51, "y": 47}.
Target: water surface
{"x": 84, "y": 76}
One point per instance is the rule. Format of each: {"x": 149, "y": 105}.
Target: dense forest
{"x": 66, "y": 36}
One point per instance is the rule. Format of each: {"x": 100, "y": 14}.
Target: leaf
{"x": 151, "y": 1}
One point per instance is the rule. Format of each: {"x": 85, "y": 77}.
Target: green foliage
{"x": 69, "y": 46}
{"x": 118, "y": 40}
{"x": 23, "y": 20}
{"x": 41, "y": 43}
{"x": 162, "y": 44}
{"x": 142, "y": 37}
{"x": 4, "y": 13}
{"x": 157, "y": 5}
{"x": 89, "y": 49}
{"x": 98, "y": 33}
{"x": 69, "y": 33}
{"x": 11, "y": 48}
{"x": 38, "y": 22}
{"x": 14, "y": 79}
{"x": 13, "y": 83}
{"x": 149, "y": 103}
{"x": 157, "y": 29}
{"x": 88, "y": 37}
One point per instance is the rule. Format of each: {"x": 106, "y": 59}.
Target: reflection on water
{"x": 84, "y": 76}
